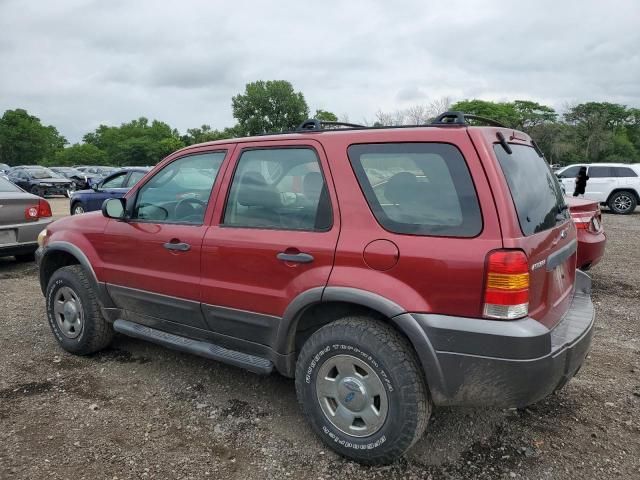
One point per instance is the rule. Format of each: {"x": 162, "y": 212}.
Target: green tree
{"x": 206, "y": 134}
{"x": 597, "y": 124}
{"x": 269, "y": 106}
{"x": 325, "y": 116}
{"x": 25, "y": 140}
{"x": 137, "y": 142}
{"x": 503, "y": 112}
{"x": 79, "y": 154}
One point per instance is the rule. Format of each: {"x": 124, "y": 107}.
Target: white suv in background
{"x": 616, "y": 185}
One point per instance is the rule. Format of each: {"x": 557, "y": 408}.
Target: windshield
{"x": 535, "y": 190}
{"x": 7, "y": 186}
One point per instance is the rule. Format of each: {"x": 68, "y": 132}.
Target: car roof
{"x": 357, "y": 134}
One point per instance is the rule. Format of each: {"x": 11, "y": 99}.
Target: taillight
{"x": 506, "y": 294}
{"x": 592, "y": 222}
{"x": 34, "y": 212}
{"x": 44, "y": 209}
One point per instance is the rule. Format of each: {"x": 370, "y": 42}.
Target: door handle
{"x": 295, "y": 257}
{"x": 177, "y": 246}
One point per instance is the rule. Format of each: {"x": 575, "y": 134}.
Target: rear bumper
{"x": 590, "y": 249}
{"x": 508, "y": 364}
{"x": 26, "y": 236}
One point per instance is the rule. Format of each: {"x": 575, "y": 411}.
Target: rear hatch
{"x": 547, "y": 234}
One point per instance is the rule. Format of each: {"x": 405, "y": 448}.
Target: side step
{"x": 196, "y": 347}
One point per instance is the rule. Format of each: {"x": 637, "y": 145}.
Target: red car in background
{"x": 591, "y": 238}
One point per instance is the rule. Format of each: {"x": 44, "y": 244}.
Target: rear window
{"x": 7, "y": 186}
{"x": 534, "y": 188}
{"x": 418, "y": 188}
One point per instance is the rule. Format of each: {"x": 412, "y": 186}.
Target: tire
{"x": 35, "y": 190}
{"x": 26, "y": 257}
{"x": 394, "y": 382}
{"x": 623, "y": 202}
{"x": 79, "y": 327}
{"x": 77, "y": 208}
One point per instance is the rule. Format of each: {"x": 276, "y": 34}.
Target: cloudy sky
{"x": 79, "y": 63}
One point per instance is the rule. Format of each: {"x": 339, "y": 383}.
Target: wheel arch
{"x": 60, "y": 254}
{"x": 315, "y": 308}
{"x": 624, "y": 189}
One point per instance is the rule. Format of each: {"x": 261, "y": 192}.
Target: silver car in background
{"x": 22, "y": 217}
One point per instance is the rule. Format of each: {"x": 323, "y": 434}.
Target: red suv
{"x": 387, "y": 269}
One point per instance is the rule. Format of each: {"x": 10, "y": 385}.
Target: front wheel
{"x": 362, "y": 389}
{"x": 623, "y": 202}
{"x": 35, "y": 190}
{"x": 74, "y": 313}
{"x": 77, "y": 209}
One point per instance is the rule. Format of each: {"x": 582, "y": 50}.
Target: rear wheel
{"x": 623, "y": 202}
{"x": 74, "y": 313}
{"x": 77, "y": 209}
{"x": 362, "y": 389}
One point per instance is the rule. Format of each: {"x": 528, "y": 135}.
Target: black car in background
{"x": 97, "y": 170}
{"x": 40, "y": 181}
{"x": 80, "y": 180}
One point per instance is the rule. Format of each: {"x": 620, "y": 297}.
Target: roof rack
{"x": 461, "y": 118}
{"x": 312, "y": 124}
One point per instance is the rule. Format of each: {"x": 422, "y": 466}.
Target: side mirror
{"x": 114, "y": 208}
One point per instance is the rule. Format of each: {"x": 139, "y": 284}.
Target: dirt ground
{"x": 140, "y": 411}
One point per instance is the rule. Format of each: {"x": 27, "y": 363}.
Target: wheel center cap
{"x": 352, "y": 393}
{"x": 70, "y": 311}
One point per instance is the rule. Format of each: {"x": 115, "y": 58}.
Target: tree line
{"x": 586, "y": 132}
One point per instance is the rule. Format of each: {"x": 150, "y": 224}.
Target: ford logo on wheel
{"x": 349, "y": 397}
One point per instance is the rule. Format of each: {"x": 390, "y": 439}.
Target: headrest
{"x": 255, "y": 192}
{"x": 312, "y": 184}
{"x": 402, "y": 188}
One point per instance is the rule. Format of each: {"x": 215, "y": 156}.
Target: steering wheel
{"x": 188, "y": 207}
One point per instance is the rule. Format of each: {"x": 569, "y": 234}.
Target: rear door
{"x": 602, "y": 181}
{"x": 546, "y": 234}
{"x": 273, "y": 237}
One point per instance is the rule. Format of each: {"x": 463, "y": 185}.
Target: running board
{"x": 196, "y": 347}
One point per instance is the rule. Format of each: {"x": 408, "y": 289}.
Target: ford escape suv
{"x": 387, "y": 269}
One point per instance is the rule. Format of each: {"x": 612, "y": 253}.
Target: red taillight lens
{"x": 44, "y": 209}
{"x": 506, "y": 293}
{"x": 34, "y": 212}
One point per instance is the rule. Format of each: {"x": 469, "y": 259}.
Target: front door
{"x": 272, "y": 238}
{"x": 152, "y": 260}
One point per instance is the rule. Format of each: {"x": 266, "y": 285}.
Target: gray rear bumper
{"x": 503, "y": 363}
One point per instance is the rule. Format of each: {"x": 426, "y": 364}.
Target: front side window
{"x": 418, "y": 188}
{"x": 278, "y": 188}
{"x": 570, "y": 172}
{"x": 180, "y": 191}
{"x": 134, "y": 177}
{"x": 117, "y": 181}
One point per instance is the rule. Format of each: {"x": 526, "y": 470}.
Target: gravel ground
{"x": 141, "y": 411}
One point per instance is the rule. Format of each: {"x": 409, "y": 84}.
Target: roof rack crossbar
{"x": 461, "y": 118}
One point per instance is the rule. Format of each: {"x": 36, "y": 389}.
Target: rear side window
{"x": 418, "y": 188}
{"x": 600, "y": 172}
{"x": 279, "y": 188}
{"x": 534, "y": 188}
{"x": 624, "y": 172}
{"x": 7, "y": 186}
